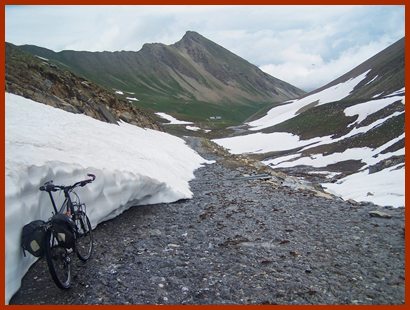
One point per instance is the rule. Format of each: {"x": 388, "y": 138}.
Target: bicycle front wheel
{"x": 84, "y": 240}
{"x": 58, "y": 261}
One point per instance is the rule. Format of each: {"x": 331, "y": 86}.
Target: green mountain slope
{"x": 326, "y": 126}
{"x": 194, "y": 78}
{"x": 385, "y": 76}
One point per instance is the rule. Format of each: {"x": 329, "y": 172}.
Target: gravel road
{"x": 238, "y": 241}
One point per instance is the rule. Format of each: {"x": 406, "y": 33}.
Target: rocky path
{"x": 238, "y": 241}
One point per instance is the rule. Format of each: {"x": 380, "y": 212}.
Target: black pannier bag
{"x": 63, "y": 228}
{"x": 32, "y": 238}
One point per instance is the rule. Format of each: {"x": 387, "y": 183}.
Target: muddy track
{"x": 238, "y": 241}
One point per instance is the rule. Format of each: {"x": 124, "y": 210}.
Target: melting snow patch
{"x": 399, "y": 92}
{"x": 372, "y": 80}
{"x": 377, "y": 95}
{"x": 42, "y": 58}
{"x": 132, "y": 99}
{"x": 278, "y": 160}
{"x": 193, "y": 128}
{"x": 172, "y": 120}
{"x": 327, "y": 174}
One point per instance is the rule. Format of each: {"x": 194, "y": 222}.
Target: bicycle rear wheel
{"x": 58, "y": 261}
{"x": 84, "y": 240}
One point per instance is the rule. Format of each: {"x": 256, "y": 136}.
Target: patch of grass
{"x": 328, "y": 119}
{"x": 373, "y": 138}
{"x": 200, "y": 112}
{"x": 389, "y": 110}
{"x": 346, "y": 166}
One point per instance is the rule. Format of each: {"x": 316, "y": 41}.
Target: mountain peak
{"x": 192, "y": 34}
{"x": 190, "y": 37}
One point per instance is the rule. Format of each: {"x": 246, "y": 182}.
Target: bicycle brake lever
{"x": 91, "y": 176}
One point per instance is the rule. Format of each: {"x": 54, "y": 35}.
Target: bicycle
{"x": 68, "y": 230}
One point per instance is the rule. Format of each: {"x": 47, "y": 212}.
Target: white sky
{"x": 307, "y": 46}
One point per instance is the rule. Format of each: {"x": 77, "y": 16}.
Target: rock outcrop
{"x": 38, "y": 79}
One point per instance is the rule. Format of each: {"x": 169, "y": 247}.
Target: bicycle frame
{"x": 49, "y": 187}
{"x": 67, "y": 201}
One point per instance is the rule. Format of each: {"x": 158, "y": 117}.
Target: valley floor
{"x": 238, "y": 241}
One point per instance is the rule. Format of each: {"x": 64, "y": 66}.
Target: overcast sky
{"x": 307, "y": 46}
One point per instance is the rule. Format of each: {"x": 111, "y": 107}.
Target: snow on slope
{"x": 385, "y": 187}
{"x": 370, "y": 107}
{"x": 289, "y": 110}
{"x": 173, "y": 121}
{"x": 260, "y": 143}
{"x": 132, "y": 165}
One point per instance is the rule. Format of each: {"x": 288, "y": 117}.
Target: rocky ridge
{"x": 38, "y": 79}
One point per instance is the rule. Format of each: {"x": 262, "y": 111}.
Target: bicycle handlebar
{"x": 50, "y": 187}
{"x": 85, "y": 182}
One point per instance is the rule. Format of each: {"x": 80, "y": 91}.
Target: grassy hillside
{"x": 385, "y": 76}
{"x": 193, "y": 78}
{"x": 355, "y": 122}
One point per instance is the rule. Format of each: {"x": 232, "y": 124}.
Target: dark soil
{"x": 237, "y": 241}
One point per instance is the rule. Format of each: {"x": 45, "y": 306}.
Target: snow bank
{"x": 132, "y": 165}
{"x": 385, "y": 187}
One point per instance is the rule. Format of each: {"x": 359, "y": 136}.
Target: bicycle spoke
{"x": 84, "y": 241}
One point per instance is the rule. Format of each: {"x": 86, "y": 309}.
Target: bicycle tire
{"x": 84, "y": 240}
{"x": 58, "y": 261}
